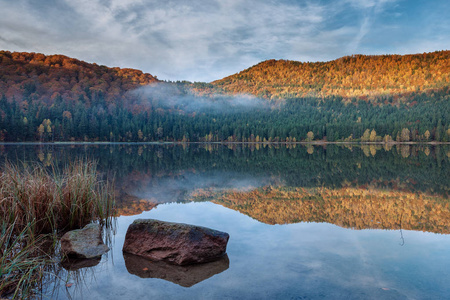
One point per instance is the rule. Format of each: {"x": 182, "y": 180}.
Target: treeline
{"x": 300, "y": 119}
{"x": 362, "y": 76}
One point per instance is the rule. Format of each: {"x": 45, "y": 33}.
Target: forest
{"x": 57, "y": 98}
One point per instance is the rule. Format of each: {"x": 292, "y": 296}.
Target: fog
{"x": 182, "y": 97}
{"x": 179, "y": 188}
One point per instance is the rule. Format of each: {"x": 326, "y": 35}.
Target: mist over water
{"x": 180, "y": 188}
{"x": 182, "y": 97}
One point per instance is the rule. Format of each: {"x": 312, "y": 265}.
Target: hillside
{"x": 37, "y": 77}
{"x": 57, "y": 98}
{"x": 358, "y": 76}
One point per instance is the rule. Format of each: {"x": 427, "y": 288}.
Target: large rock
{"x": 175, "y": 243}
{"x": 84, "y": 243}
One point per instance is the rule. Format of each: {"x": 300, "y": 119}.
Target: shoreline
{"x": 226, "y": 143}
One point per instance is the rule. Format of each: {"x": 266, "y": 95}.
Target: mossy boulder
{"x": 84, "y": 243}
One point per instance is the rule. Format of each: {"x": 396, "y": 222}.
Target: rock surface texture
{"x": 84, "y": 243}
{"x": 175, "y": 243}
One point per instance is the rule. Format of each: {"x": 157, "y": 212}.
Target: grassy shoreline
{"x": 36, "y": 205}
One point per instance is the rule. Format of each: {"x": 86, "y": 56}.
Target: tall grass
{"x": 36, "y": 201}
{"x": 54, "y": 200}
{"x": 22, "y": 263}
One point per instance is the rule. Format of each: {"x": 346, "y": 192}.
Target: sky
{"x": 206, "y": 40}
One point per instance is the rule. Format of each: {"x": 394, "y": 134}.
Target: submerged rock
{"x": 186, "y": 276}
{"x": 74, "y": 264}
{"x": 175, "y": 243}
{"x": 84, "y": 243}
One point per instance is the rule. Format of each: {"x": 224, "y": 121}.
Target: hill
{"x": 361, "y": 76}
{"x": 37, "y": 77}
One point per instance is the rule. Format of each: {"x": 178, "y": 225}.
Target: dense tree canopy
{"x": 37, "y": 77}
{"x": 56, "y": 98}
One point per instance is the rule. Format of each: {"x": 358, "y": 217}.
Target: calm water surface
{"x": 304, "y": 222}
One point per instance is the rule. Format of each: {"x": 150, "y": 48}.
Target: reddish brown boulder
{"x": 175, "y": 243}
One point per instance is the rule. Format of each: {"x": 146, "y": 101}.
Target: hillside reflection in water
{"x": 248, "y": 191}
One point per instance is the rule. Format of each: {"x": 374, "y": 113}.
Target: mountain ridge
{"x": 365, "y": 77}
{"x": 57, "y": 98}
{"x": 360, "y": 76}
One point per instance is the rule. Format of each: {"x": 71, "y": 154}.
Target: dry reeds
{"x": 35, "y": 200}
{"x": 53, "y": 200}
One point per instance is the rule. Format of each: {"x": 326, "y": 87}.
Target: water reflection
{"x": 185, "y": 276}
{"x": 356, "y": 208}
{"x": 363, "y": 208}
{"x": 249, "y": 191}
{"x": 74, "y": 264}
{"x": 422, "y": 168}
{"x": 353, "y": 186}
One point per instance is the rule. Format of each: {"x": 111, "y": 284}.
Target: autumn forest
{"x": 388, "y": 98}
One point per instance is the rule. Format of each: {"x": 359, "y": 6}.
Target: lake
{"x": 305, "y": 221}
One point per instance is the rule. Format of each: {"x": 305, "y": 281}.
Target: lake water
{"x": 305, "y": 222}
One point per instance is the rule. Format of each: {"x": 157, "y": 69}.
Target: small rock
{"x": 175, "y": 243}
{"x": 84, "y": 243}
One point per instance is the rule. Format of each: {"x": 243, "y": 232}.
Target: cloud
{"x": 369, "y": 9}
{"x": 202, "y": 40}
